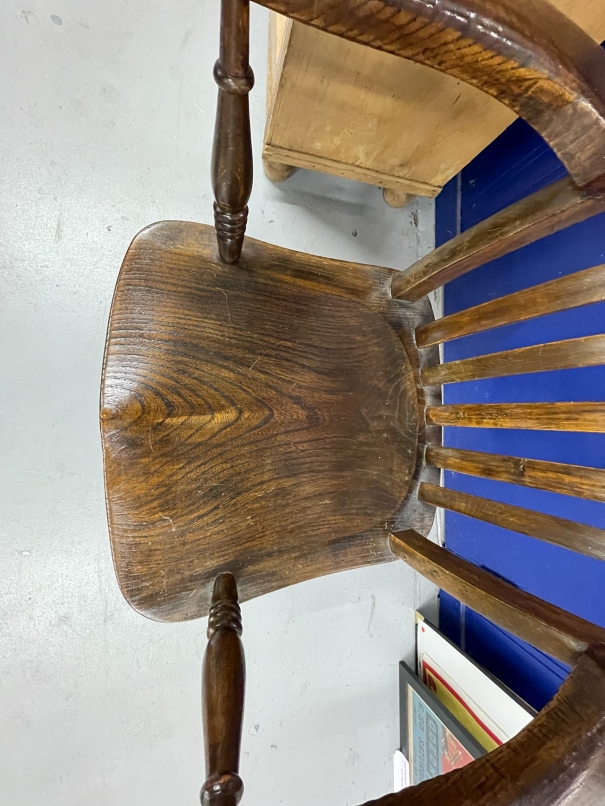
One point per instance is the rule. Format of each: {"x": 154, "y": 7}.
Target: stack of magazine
{"x": 451, "y": 710}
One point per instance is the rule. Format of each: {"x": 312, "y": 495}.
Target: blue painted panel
{"x": 450, "y": 618}
{"x": 581, "y": 384}
{"x": 516, "y": 164}
{"x": 530, "y": 674}
{"x": 447, "y": 213}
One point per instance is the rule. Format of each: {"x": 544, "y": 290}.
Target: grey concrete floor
{"x": 106, "y": 113}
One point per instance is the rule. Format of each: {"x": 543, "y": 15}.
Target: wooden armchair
{"x": 268, "y": 416}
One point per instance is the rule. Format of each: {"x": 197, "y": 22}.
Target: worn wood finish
{"x": 586, "y": 417}
{"x": 223, "y": 684}
{"x": 583, "y": 482}
{"x": 529, "y": 56}
{"x": 588, "y": 351}
{"x": 550, "y": 629}
{"x": 316, "y": 162}
{"x": 232, "y": 149}
{"x": 405, "y": 318}
{"x": 261, "y": 419}
{"x": 547, "y": 211}
{"x": 582, "y": 288}
{"x": 577, "y": 537}
{"x": 557, "y": 760}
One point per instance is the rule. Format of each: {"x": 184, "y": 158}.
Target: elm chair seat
{"x": 261, "y": 419}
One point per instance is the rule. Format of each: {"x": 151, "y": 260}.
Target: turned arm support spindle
{"x": 223, "y": 681}
{"x": 232, "y": 149}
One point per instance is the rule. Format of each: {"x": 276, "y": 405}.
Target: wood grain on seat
{"x": 259, "y": 419}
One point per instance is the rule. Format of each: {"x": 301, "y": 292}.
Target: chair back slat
{"x": 583, "y": 417}
{"x": 583, "y": 482}
{"x": 588, "y": 351}
{"x": 577, "y": 537}
{"x": 572, "y": 291}
{"x": 547, "y": 211}
{"x": 545, "y": 626}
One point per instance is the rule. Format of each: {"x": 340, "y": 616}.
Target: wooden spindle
{"x": 579, "y": 537}
{"x": 587, "y": 417}
{"x": 232, "y": 150}
{"x": 556, "y": 477}
{"x": 572, "y": 291}
{"x": 588, "y": 351}
{"x": 547, "y": 627}
{"x": 547, "y": 211}
{"x": 223, "y": 682}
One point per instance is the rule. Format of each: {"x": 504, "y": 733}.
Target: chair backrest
{"x": 582, "y": 288}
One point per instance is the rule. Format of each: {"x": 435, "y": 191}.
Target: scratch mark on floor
{"x": 372, "y": 612}
{"x": 59, "y": 227}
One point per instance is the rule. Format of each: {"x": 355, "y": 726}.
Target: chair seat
{"x": 260, "y": 419}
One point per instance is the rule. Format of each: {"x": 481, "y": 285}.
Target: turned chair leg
{"x": 232, "y": 149}
{"x": 223, "y": 683}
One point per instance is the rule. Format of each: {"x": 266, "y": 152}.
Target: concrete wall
{"x": 106, "y": 117}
